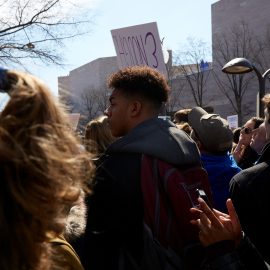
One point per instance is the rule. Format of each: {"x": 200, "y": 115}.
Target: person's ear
{"x": 135, "y": 108}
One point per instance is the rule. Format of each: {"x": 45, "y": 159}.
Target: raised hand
{"x": 216, "y": 226}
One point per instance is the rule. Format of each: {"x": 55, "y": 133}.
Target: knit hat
{"x": 211, "y": 129}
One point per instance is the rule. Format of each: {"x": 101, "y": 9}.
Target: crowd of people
{"x": 78, "y": 204}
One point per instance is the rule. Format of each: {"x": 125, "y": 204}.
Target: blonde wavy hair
{"x": 98, "y": 135}
{"x": 42, "y": 172}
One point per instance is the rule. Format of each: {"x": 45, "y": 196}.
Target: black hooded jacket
{"x": 115, "y": 211}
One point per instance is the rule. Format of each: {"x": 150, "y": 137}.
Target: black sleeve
{"x": 250, "y": 257}
{"x": 114, "y": 212}
{"x": 244, "y": 257}
{"x": 97, "y": 242}
{"x": 241, "y": 200}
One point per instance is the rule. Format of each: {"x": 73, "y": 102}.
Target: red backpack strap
{"x": 150, "y": 192}
{"x": 155, "y": 198}
{"x": 169, "y": 193}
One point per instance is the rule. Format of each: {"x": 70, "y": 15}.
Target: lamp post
{"x": 243, "y": 65}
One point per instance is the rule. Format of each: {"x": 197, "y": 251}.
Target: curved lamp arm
{"x": 266, "y": 73}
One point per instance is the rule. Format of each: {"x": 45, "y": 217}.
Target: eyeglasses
{"x": 246, "y": 130}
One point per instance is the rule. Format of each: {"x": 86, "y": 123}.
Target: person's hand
{"x": 216, "y": 226}
{"x": 238, "y": 151}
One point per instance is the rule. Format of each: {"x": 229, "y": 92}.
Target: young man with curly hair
{"x": 115, "y": 217}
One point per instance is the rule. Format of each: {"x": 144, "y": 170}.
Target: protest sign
{"x": 139, "y": 45}
{"x": 233, "y": 121}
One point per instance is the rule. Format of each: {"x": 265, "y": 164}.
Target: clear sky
{"x": 176, "y": 19}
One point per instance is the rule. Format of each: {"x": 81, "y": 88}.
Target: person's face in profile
{"x": 258, "y": 139}
{"x": 246, "y": 132}
{"x": 117, "y": 112}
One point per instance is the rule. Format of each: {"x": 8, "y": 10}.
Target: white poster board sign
{"x": 139, "y": 45}
{"x": 233, "y": 121}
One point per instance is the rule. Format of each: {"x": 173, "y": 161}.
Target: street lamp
{"x": 241, "y": 66}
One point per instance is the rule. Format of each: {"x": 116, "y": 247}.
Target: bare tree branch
{"x": 239, "y": 41}
{"x": 36, "y": 29}
{"x": 190, "y": 62}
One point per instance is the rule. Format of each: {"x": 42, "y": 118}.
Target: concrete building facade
{"x": 225, "y": 14}
{"x": 91, "y": 76}
{"x": 241, "y": 20}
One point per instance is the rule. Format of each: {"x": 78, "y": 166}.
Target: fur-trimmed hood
{"x": 76, "y": 220}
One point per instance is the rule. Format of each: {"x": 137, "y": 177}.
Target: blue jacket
{"x": 220, "y": 170}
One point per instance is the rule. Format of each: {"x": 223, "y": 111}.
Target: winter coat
{"x": 224, "y": 256}
{"x": 220, "y": 169}
{"x": 65, "y": 254}
{"x": 64, "y": 246}
{"x": 249, "y": 191}
{"x": 115, "y": 212}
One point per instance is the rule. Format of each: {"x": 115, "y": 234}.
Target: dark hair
{"x": 181, "y": 116}
{"x": 141, "y": 81}
{"x": 236, "y": 134}
{"x": 257, "y": 121}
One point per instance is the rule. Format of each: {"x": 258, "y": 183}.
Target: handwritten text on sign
{"x": 139, "y": 45}
{"x": 233, "y": 121}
